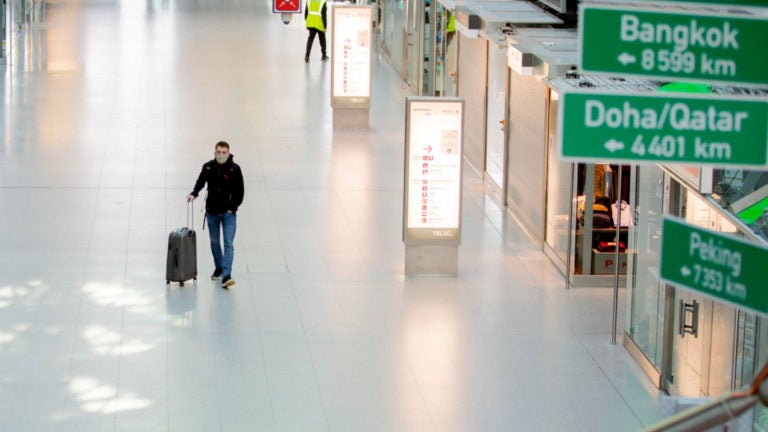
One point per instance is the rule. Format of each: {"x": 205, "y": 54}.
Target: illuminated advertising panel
{"x": 351, "y": 57}
{"x": 433, "y": 174}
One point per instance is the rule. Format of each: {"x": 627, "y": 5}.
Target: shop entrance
{"x": 713, "y": 344}
{"x": 495, "y": 156}
{"x": 473, "y": 79}
{"x": 528, "y": 103}
{"x": 415, "y": 35}
{"x": 702, "y": 360}
{"x": 690, "y": 364}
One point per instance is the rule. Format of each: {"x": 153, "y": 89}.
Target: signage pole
{"x": 571, "y": 225}
{"x": 617, "y": 269}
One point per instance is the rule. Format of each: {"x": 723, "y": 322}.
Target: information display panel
{"x": 433, "y": 170}
{"x": 351, "y": 57}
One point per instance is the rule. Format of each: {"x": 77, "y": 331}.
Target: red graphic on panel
{"x": 293, "y": 6}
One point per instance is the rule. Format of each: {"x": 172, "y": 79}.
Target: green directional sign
{"x": 702, "y": 130}
{"x": 722, "y": 3}
{"x": 714, "y": 264}
{"x": 677, "y": 44}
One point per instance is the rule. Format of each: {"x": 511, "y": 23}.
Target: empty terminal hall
{"x": 383, "y": 216}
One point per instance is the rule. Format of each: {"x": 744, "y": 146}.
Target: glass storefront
{"x": 645, "y": 291}
{"x": 699, "y": 348}
{"x": 417, "y": 29}
{"x": 446, "y": 50}
{"x": 429, "y": 39}
{"x": 393, "y": 25}
{"x": 761, "y": 334}
{"x": 602, "y": 203}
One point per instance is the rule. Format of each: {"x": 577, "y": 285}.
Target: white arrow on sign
{"x": 627, "y": 58}
{"x": 685, "y": 271}
{"x": 612, "y": 145}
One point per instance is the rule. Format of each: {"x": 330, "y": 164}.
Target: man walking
{"x": 225, "y": 194}
{"x": 315, "y": 17}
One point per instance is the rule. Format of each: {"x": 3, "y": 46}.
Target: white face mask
{"x": 222, "y": 159}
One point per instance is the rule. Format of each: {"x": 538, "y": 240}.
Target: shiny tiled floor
{"x": 109, "y": 110}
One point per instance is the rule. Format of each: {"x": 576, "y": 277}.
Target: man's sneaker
{"x": 216, "y": 274}
{"x": 325, "y": 58}
{"x": 227, "y": 282}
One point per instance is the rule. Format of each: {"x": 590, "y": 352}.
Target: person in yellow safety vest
{"x": 315, "y": 16}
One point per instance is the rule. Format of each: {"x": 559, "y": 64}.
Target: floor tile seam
{"x": 340, "y": 306}
{"x": 117, "y": 395}
{"x": 543, "y": 290}
{"x": 608, "y": 378}
{"x": 487, "y": 194}
{"x": 82, "y": 299}
{"x": 424, "y": 402}
{"x": 137, "y": 130}
{"x": 355, "y": 233}
{"x": 217, "y": 367}
{"x": 56, "y": 187}
{"x": 165, "y": 177}
{"x": 67, "y": 380}
{"x": 325, "y": 249}
{"x": 335, "y": 194}
{"x": 122, "y": 308}
{"x": 69, "y": 395}
{"x": 308, "y": 347}
{"x": 167, "y": 371}
{"x": 119, "y": 390}
{"x": 263, "y": 355}
{"x": 272, "y": 212}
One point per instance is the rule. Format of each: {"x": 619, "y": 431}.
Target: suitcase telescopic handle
{"x": 190, "y": 214}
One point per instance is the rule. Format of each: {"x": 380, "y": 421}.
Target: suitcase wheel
{"x": 181, "y": 284}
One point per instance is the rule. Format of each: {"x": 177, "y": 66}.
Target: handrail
{"x": 718, "y": 411}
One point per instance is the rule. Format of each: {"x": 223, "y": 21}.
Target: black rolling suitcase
{"x": 181, "y": 263}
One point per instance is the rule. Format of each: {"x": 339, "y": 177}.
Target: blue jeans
{"x": 227, "y": 223}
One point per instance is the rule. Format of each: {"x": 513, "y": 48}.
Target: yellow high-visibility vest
{"x": 314, "y": 15}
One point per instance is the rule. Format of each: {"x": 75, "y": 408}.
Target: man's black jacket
{"x": 225, "y": 186}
